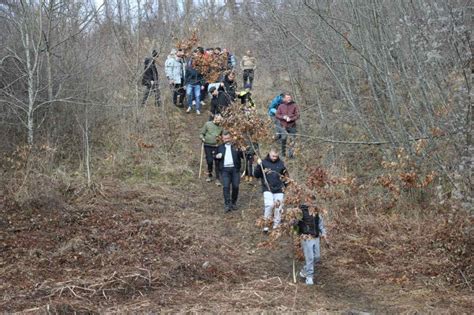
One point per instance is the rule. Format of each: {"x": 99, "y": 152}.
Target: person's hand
{"x": 202, "y": 87}
{"x": 222, "y": 83}
{"x": 288, "y": 119}
{"x": 259, "y": 161}
{"x": 151, "y": 82}
{"x": 219, "y": 156}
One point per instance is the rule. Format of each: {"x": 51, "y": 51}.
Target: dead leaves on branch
{"x": 246, "y": 125}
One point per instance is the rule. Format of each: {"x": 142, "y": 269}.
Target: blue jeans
{"x": 196, "y": 91}
{"x": 312, "y": 255}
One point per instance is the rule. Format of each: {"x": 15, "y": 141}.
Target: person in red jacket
{"x": 287, "y": 114}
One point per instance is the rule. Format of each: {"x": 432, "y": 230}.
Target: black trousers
{"x": 230, "y": 176}
{"x": 210, "y": 160}
{"x": 178, "y": 92}
{"x": 152, "y": 88}
{"x": 248, "y": 76}
{"x": 249, "y": 166}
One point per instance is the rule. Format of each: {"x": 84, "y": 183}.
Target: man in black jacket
{"x": 311, "y": 228}
{"x": 272, "y": 170}
{"x": 219, "y": 101}
{"x": 229, "y": 163}
{"x": 150, "y": 79}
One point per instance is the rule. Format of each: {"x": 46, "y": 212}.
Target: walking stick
{"x": 293, "y": 256}
{"x": 202, "y": 157}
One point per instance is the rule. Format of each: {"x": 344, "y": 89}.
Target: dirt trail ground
{"x": 170, "y": 247}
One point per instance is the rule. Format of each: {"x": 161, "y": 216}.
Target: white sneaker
{"x": 194, "y": 103}
{"x": 309, "y": 281}
{"x": 208, "y": 179}
{"x": 198, "y": 112}
{"x": 218, "y": 183}
{"x": 203, "y": 104}
{"x": 302, "y": 274}
{"x": 188, "y": 110}
{"x": 265, "y": 230}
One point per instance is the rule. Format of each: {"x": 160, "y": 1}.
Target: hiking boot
{"x": 227, "y": 209}
{"x": 198, "y": 112}
{"x": 309, "y": 281}
{"x": 234, "y": 207}
{"x": 188, "y": 110}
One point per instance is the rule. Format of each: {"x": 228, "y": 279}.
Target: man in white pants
{"x": 272, "y": 170}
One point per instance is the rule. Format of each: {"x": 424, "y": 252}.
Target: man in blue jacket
{"x": 229, "y": 164}
{"x": 272, "y": 171}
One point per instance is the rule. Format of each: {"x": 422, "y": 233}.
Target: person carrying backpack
{"x": 150, "y": 79}
{"x": 287, "y": 114}
{"x": 311, "y": 228}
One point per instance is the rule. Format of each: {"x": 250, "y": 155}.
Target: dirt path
{"x": 266, "y": 281}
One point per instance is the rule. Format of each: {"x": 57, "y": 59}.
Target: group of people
{"x": 225, "y": 160}
{"x": 212, "y": 71}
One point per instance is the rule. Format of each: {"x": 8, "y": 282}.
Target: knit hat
{"x": 212, "y": 89}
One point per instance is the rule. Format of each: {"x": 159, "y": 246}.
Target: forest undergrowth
{"x": 148, "y": 234}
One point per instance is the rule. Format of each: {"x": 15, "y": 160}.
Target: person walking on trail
{"x": 272, "y": 171}
{"x": 287, "y": 114}
{"x": 248, "y": 64}
{"x": 210, "y": 133}
{"x": 249, "y": 159}
{"x": 219, "y": 102}
{"x": 229, "y": 85}
{"x": 311, "y": 228}
{"x": 245, "y": 97}
{"x": 194, "y": 82}
{"x": 229, "y": 164}
{"x": 150, "y": 79}
{"x": 175, "y": 69}
{"x": 272, "y": 109}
